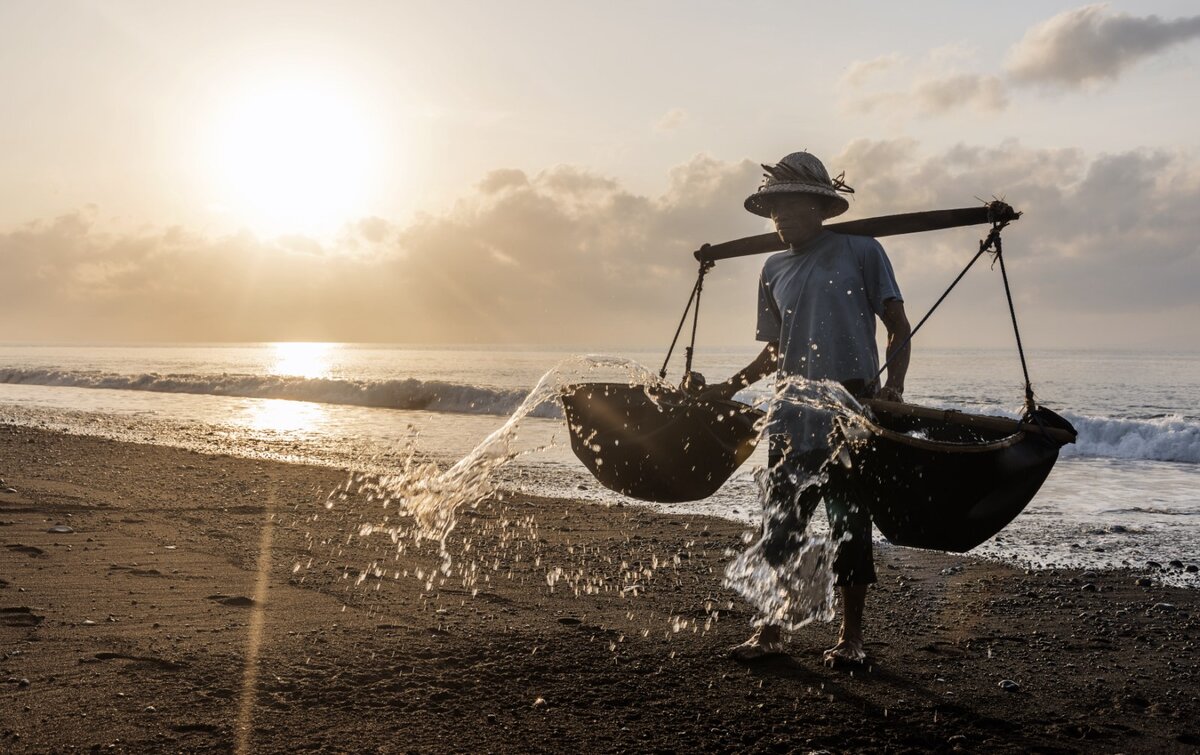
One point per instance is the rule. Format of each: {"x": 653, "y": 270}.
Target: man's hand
{"x": 720, "y": 391}
{"x": 898, "y": 331}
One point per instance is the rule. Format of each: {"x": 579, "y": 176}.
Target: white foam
{"x": 1161, "y": 439}
{"x": 411, "y": 394}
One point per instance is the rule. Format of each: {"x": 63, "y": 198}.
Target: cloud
{"x": 939, "y": 95}
{"x": 1091, "y": 44}
{"x": 671, "y": 121}
{"x": 1106, "y": 255}
{"x": 1108, "y": 242}
{"x": 859, "y": 72}
{"x": 561, "y": 256}
{"x": 1071, "y": 50}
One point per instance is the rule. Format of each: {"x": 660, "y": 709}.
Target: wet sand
{"x": 208, "y": 603}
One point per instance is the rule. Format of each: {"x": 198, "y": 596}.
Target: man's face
{"x": 797, "y": 217}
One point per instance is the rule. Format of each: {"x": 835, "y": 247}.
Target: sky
{"x": 540, "y": 172}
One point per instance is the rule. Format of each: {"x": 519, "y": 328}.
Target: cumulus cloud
{"x": 1105, "y": 255}
{"x": 561, "y": 256}
{"x": 1106, "y": 252}
{"x": 936, "y": 95}
{"x": 1092, "y": 44}
{"x": 671, "y": 121}
{"x": 1071, "y": 50}
{"x": 985, "y": 93}
{"x": 859, "y": 72}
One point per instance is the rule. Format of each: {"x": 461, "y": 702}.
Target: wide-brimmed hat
{"x": 799, "y": 173}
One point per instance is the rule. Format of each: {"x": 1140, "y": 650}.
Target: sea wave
{"x": 1171, "y": 439}
{"x": 409, "y": 393}
{"x": 1159, "y": 439}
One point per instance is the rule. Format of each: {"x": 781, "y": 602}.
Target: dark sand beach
{"x": 209, "y": 604}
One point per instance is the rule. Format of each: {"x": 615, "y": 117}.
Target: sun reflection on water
{"x": 284, "y": 416}
{"x": 302, "y": 359}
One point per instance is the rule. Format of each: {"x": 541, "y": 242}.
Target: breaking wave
{"x": 1171, "y": 439}
{"x": 410, "y": 394}
{"x": 1159, "y": 439}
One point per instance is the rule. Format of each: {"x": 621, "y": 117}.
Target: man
{"x": 817, "y": 307}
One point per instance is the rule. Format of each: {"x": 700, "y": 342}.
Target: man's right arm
{"x": 764, "y": 364}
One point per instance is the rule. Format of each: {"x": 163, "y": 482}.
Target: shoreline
{"x": 206, "y": 602}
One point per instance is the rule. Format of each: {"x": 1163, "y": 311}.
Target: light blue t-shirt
{"x": 818, "y": 302}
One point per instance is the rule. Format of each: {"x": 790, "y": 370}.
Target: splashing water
{"x": 786, "y": 573}
{"x": 790, "y": 592}
{"x": 433, "y": 497}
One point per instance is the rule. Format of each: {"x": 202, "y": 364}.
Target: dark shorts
{"x": 791, "y": 504}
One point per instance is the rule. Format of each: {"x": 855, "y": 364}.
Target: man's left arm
{"x": 898, "y": 331}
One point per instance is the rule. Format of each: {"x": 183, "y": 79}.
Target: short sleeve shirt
{"x": 819, "y": 302}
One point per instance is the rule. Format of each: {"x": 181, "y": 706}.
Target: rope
{"x": 691, "y": 349}
{"x": 993, "y": 238}
{"x": 1030, "y": 402}
{"x": 694, "y": 297}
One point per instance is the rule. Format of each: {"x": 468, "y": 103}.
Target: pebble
{"x": 1089, "y": 587}
{"x": 1164, "y": 607}
{"x": 1191, "y": 568}
{"x": 1175, "y": 563}
{"x": 8, "y": 490}
{"x": 1144, "y": 582}
{"x": 1153, "y": 565}
{"x": 61, "y": 529}
{"x": 23, "y": 683}
{"x": 1008, "y": 685}
{"x": 539, "y": 703}
{"x": 150, "y": 709}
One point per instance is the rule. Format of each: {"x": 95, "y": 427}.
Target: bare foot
{"x": 846, "y": 651}
{"x": 765, "y": 641}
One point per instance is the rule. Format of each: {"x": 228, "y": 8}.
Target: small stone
{"x": 540, "y": 702}
{"x": 1008, "y": 685}
{"x": 1175, "y": 563}
{"x": 491, "y": 718}
{"x": 149, "y": 709}
{"x": 61, "y": 529}
{"x": 1164, "y": 607}
{"x": 1191, "y": 568}
{"x": 8, "y": 490}
{"x": 1089, "y": 587}
{"x": 23, "y": 683}
{"x": 88, "y": 623}
{"x": 1153, "y": 565}
{"x": 1144, "y": 582}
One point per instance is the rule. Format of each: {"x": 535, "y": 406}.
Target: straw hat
{"x": 799, "y": 173}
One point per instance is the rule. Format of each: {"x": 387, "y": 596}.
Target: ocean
{"x": 1125, "y": 495}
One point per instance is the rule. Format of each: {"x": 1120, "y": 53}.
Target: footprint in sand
{"x": 29, "y": 550}
{"x": 19, "y": 616}
{"x": 141, "y": 661}
{"x": 231, "y": 600}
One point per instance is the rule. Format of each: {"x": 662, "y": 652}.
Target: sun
{"x": 293, "y": 157}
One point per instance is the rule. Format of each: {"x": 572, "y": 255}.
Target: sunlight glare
{"x": 293, "y": 157}
{"x": 302, "y": 359}
{"x": 284, "y": 416}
